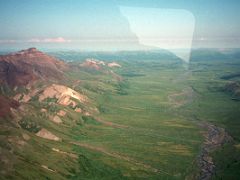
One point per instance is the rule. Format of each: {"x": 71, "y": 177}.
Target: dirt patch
{"x": 79, "y": 110}
{"x": 56, "y": 119}
{"x": 43, "y": 110}
{"x": 43, "y": 133}
{"x": 66, "y": 153}
{"x": 26, "y": 137}
{"x": 61, "y": 113}
{"x": 114, "y": 64}
{"x": 47, "y": 168}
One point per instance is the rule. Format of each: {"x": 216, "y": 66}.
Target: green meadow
{"x": 147, "y": 126}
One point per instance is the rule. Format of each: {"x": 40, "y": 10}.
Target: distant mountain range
{"x": 214, "y": 54}
{"x": 151, "y": 55}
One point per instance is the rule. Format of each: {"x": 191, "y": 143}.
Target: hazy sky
{"x": 119, "y": 24}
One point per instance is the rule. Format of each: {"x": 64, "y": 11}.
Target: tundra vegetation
{"x": 156, "y": 118}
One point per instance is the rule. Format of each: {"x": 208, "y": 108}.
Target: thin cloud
{"x": 36, "y": 40}
{"x": 7, "y": 41}
{"x": 50, "y": 40}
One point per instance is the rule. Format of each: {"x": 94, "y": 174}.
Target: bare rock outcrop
{"x": 56, "y": 119}
{"x": 114, "y": 64}
{"x": 65, "y": 96}
{"x": 61, "y": 113}
{"x": 92, "y": 64}
{"x": 43, "y": 133}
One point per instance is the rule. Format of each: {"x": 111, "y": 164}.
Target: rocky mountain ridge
{"x": 27, "y": 66}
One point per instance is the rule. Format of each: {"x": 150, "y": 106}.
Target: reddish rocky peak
{"x": 28, "y": 65}
{"x": 33, "y": 49}
{"x": 26, "y": 51}
{"x": 29, "y": 50}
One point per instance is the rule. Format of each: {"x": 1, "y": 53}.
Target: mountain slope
{"x": 26, "y": 66}
{"x": 6, "y": 104}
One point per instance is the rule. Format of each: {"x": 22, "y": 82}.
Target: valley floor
{"x": 160, "y": 121}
